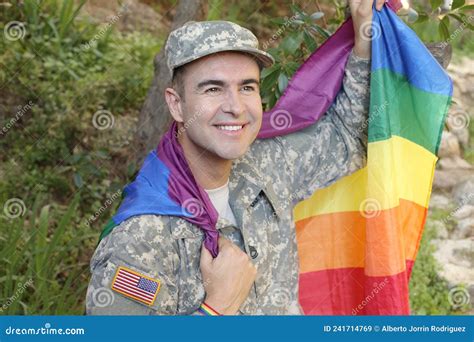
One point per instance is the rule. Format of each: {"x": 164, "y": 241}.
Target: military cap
{"x": 196, "y": 39}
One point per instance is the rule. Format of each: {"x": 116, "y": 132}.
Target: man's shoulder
{"x": 142, "y": 225}
{"x": 152, "y": 229}
{"x": 133, "y": 237}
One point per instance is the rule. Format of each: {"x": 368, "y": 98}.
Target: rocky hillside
{"x": 451, "y": 210}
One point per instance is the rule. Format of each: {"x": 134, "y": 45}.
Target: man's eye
{"x": 212, "y": 90}
{"x": 248, "y": 88}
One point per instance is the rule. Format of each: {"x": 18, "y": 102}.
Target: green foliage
{"x": 432, "y": 24}
{"x": 43, "y": 270}
{"x": 429, "y": 292}
{"x": 469, "y": 152}
{"x": 93, "y": 71}
{"x": 300, "y": 36}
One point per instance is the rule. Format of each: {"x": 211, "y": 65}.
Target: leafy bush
{"x": 62, "y": 71}
{"x": 49, "y": 141}
{"x": 43, "y": 269}
{"x": 298, "y": 37}
{"x": 429, "y": 292}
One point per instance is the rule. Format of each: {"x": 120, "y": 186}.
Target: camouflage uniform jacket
{"x": 265, "y": 184}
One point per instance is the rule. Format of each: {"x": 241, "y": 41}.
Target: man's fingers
{"x": 361, "y": 7}
{"x": 366, "y": 6}
{"x": 206, "y": 257}
{"x": 379, "y": 4}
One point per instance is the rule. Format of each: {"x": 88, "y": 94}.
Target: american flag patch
{"x": 135, "y": 285}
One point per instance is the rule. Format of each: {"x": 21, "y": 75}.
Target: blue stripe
{"x": 148, "y": 193}
{"x": 404, "y": 54}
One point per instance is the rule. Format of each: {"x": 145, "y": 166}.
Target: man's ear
{"x": 174, "y": 103}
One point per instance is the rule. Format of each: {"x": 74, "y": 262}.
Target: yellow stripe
{"x": 398, "y": 169}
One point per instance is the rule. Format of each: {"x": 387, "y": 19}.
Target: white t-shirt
{"x": 220, "y": 199}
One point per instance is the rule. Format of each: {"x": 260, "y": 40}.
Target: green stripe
{"x": 398, "y": 108}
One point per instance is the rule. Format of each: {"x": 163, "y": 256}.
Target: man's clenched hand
{"x": 361, "y": 12}
{"x": 227, "y": 278}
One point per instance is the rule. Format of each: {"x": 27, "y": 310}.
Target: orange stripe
{"x": 381, "y": 244}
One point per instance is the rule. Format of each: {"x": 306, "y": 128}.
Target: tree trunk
{"x": 442, "y": 51}
{"x": 154, "y": 117}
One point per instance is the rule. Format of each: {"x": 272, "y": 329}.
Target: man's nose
{"x": 233, "y": 103}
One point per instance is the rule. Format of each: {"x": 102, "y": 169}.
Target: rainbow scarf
{"x": 358, "y": 248}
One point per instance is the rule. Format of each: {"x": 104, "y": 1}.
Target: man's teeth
{"x": 230, "y": 128}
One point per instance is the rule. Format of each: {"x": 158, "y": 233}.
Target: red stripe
{"x": 125, "y": 275}
{"x": 132, "y": 292}
{"x": 348, "y": 291}
{"x": 134, "y": 288}
{"x": 147, "y": 301}
{"x": 127, "y": 280}
{"x": 130, "y": 273}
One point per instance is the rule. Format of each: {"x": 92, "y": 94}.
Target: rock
{"x": 454, "y": 162}
{"x": 439, "y": 201}
{"x": 464, "y": 229}
{"x": 463, "y": 192}
{"x": 447, "y": 179}
{"x": 457, "y": 122}
{"x": 462, "y": 73}
{"x": 449, "y": 145}
{"x": 456, "y": 258}
{"x": 463, "y": 212}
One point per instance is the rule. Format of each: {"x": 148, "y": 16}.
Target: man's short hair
{"x": 177, "y": 82}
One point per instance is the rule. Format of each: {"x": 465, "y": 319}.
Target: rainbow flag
{"x": 358, "y": 238}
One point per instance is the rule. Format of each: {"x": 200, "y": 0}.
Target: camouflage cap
{"x": 196, "y": 39}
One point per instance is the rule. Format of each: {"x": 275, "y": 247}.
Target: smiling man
{"x": 253, "y": 184}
